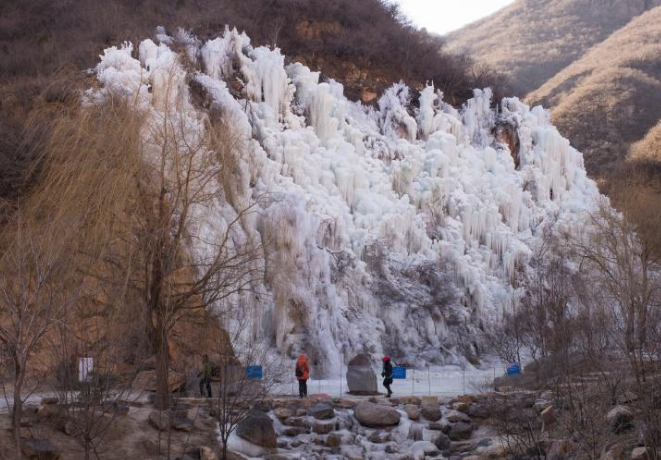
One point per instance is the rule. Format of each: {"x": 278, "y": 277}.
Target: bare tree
{"x": 34, "y": 297}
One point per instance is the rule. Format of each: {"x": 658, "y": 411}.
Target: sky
{"x": 443, "y": 16}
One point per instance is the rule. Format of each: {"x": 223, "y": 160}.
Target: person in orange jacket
{"x": 302, "y": 375}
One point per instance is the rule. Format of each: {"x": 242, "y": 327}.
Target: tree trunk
{"x": 19, "y": 374}
{"x": 162, "y": 400}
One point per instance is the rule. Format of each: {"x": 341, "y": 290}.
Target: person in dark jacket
{"x": 387, "y": 374}
{"x": 302, "y": 375}
{"x": 205, "y": 376}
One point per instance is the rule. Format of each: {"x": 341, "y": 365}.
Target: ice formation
{"x": 390, "y": 229}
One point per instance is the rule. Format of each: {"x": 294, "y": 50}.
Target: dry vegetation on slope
{"x": 532, "y": 40}
{"x": 608, "y": 100}
{"x": 365, "y": 44}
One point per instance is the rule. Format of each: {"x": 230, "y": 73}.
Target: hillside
{"x": 364, "y": 44}
{"x": 607, "y": 100}
{"x": 533, "y": 40}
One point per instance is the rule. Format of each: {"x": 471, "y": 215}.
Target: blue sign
{"x": 514, "y": 369}
{"x": 254, "y": 372}
{"x": 399, "y": 373}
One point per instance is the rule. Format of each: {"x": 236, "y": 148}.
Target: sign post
{"x": 514, "y": 369}
{"x": 399, "y": 373}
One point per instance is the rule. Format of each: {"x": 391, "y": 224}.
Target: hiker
{"x": 387, "y": 374}
{"x": 205, "y": 376}
{"x": 302, "y": 375}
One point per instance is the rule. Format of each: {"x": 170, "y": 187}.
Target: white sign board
{"x": 85, "y": 366}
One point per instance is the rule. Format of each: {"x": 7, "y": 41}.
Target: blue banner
{"x": 514, "y": 369}
{"x": 254, "y": 372}
{"x": 399, "y": 373}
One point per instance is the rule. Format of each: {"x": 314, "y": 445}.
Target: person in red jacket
{"x": 302, "y": 375}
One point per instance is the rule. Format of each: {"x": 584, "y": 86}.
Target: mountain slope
{"x": 391, "y": 229}
{"x": 532, "y": 40}
{"x": 608, "y": 99}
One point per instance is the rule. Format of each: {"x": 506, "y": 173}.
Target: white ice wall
{"x": 364, "y": 201}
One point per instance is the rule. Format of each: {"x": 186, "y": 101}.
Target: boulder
{"x": 548, "y": 418}
{"x": 619, "y": 418}
{"x": 375, "y": 416}
{"x": 561, "y": 450}
{"x": 431, "y": 410}
{"x": 460, "y": 431}
{"x": 322, "y": 411}
{"x": 293, "y": 431}
{"x": 480, "y": 409}
{"x": 361, "y": 378}
{"x": 53, "y": 414}
{"x": 322, "y": 427}
{"x": 159, "y": 420}
{"x": 258, "y": 429}
{"x": 207, "y": 453}
{"x": 615, "y": 452}
{"x": 441, "y": 441}
{"x": 39, "y": 449}
{"x": 412, "y": 412}
{"x": 333, "y": 441}
{"x": 183, "y": 424}
{"x": 461, "y": 406}
{"x": 454, "y": 416}
{"x": 641, "y": 453}
{"x": 282, "y": 413}
{"x": 415, "y": 400}
{"x": 49, "y": 400}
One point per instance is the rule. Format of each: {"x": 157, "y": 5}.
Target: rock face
{"x": 619, "y": 418}
{"x": 258, "y": 429}
{"x": 375, "y": 415}
{"x": 431, "y": 410}
{"x": 361, "y": 378}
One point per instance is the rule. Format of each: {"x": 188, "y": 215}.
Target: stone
{"x": 441, "y": 441}
{"x": 55, "y": 415}
{"x": 39, "y": 449}
{"x": 460, "y": 431}
{"x": 619, "y": 419}
{"x": 49, "y": 400}
{"x": 412, "y": 412}
{"x": 403, "y": 400}
{"x": 203, "y": 453}
{"x": 70, "y": 429}
{"x": 257, "y": 428}
{"x": 561, "y": 450}
{"x": 322, "y": 427}
{"x": 352, "y": 452}
{"x": 548, "y": 418}
{"x": 345, "y": 403}
{"x": 442, "y": 425}
{"x": 297, "y": 422}
{"x": 377, "y": 438}
{"x": 333, "y": 441}
{"x": 615, "y": 452}
{"x": 322, "y": 411}
{"x": 493, "y": 451}
{"x": 361, "y": 378}
{"x": 391, "y": 448}
{"x": 160, "y": 420}
{"x": 282, "y": 413}
{"x": 454, "y": 416}
{"x": 431, "y": 410}
{"x": 461, "y": 406}
{"x": 641, "y": 453}
{"x": 423, "y": 447}
{"x": 375, "y": 416}
{"x": 293, "y": 431}
{"x": 480, "y": 409}
{"x": 183, "y": 424}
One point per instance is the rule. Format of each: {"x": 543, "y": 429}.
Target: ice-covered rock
{"x": 389, "y": 229}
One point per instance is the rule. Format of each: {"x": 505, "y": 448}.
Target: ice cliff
{"x": 396, "y": 228}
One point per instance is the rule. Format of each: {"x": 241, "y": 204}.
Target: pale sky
{"x": 443, "y": 16}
